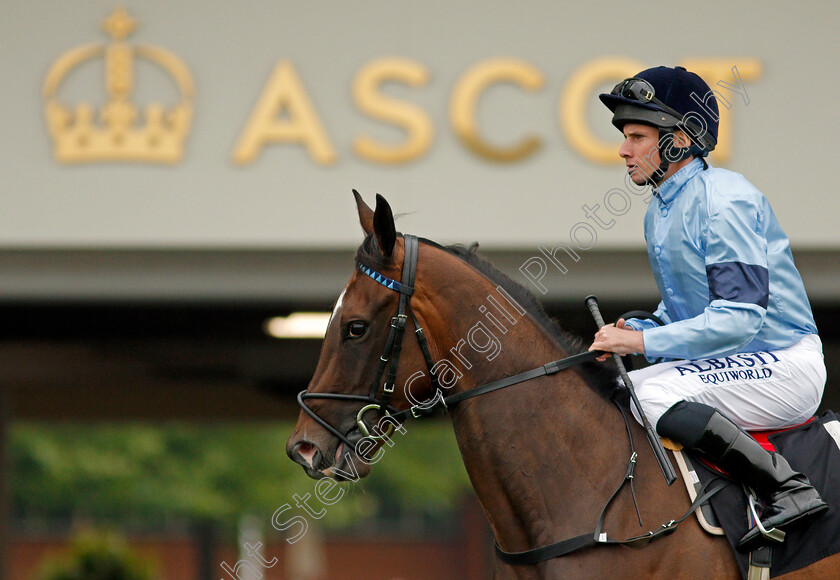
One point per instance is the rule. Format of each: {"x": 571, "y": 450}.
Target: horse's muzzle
{"x": 309, "y": 456}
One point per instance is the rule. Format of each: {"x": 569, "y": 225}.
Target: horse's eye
{"x": 356, "y": 329}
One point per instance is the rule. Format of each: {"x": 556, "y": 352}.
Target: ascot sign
{"x": 284, "y": 114}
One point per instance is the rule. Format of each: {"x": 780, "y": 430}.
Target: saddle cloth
{"x": 813, "y": 449}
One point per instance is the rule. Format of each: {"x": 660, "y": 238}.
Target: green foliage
{"x": 423, "y": 469}
{"x": 96, "y": 556}
{"x": 132, "y": 472}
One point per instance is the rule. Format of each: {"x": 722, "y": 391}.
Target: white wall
{"x": 783, "y": 139}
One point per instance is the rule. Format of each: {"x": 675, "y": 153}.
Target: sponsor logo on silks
{"x": 743, "y": 362}
{"x": 742, "y": 375}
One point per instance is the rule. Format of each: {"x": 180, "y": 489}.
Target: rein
{"x": 391, "y": 354}
{"x": 418, "y": 411}
{"x": 390, "y": 360}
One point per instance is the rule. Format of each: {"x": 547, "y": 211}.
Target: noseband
{"x": 390, "y": 357}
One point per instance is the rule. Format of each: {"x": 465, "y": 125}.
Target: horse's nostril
{"x": 307, "y": 452}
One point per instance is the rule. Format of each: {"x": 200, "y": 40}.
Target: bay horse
{"x": 544, "y": 456}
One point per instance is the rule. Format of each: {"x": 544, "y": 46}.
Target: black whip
{"x": 659, "y": 451}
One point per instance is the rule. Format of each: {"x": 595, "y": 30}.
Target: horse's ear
{"x": 365, "y": 213}
{"x": 383, "y": 226}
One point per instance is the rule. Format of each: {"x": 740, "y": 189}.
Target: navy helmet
{"x": 668, "y": 99}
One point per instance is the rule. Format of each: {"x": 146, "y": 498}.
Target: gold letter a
{"x": 284, "y": 114}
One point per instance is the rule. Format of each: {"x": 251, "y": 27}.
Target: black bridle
{"x": 390, "y": 359}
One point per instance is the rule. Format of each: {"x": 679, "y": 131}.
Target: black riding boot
{"x": 790, "y": 496}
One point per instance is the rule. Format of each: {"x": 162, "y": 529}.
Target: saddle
{"x": 812, "y": 448}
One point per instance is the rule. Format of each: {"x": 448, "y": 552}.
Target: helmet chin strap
{"x": 668, "y": 154}
{"x": 655, "y": 178}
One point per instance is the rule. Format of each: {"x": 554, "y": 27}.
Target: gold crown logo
{"x": 119, "y": 132}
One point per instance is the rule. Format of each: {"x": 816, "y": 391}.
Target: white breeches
{"x": 757, "y": 390}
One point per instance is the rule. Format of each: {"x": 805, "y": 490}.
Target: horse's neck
{"x": 535, "y": 452}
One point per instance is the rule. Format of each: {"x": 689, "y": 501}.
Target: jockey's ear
{"x": 365, "y": 213}
{"x": 383, "y": 226}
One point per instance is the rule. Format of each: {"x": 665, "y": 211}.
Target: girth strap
{"x": 565, "y": 547}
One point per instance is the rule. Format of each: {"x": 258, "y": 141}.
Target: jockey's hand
{"x": 618, "y": 338}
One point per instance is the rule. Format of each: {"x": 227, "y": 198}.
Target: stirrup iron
{"x": 774, "y": 534}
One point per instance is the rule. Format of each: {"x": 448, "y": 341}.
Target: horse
{"x": 543, "y": 456}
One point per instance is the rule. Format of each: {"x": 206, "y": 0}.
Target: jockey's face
{"x": 640, "y": 151}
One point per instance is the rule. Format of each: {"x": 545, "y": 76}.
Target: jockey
{"x": 739, "y": 336}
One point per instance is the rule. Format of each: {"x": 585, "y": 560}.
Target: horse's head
{"x": 364, "y": 363}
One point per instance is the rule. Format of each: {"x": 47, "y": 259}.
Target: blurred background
{"x": 176, "y": 175}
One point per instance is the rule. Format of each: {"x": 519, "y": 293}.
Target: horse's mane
{"x": 601, "y": 377}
